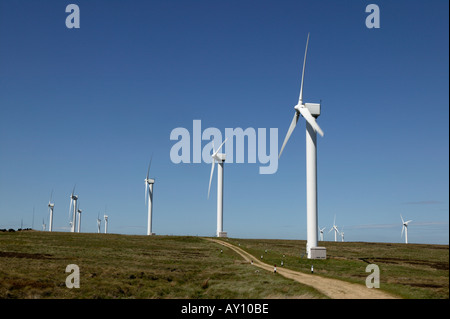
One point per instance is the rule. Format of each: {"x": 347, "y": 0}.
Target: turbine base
{"x": 222, "y": 234}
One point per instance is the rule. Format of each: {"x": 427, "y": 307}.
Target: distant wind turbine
{"x": 99, "y": 223}
{"x": 149, "y": 182}
{"x": 220, "y": 158}
{"x": 336, "y": 231}
{"x": 43, "y": 224}
{"x": 79, "y": 219}
{"x": 405, "y": 228}
{"x": 106, "y": 223}
{"x": 342, "y": 233}
{"x": 309, "y": 111}
{"x": 321, "y": 233}
{"x": 73, "y": 203}
{"x": 51, "y": 206}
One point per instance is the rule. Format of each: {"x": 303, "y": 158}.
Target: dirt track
{"x": 333, "y": 288}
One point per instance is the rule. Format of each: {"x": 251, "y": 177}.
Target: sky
{"x": 90, "y": 106}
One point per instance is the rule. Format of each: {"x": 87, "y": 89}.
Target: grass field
{"x": 33, "y": 263}
{"x": 411, "y": 271}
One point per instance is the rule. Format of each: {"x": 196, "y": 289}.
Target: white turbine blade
{"x": 289, "y": 132}
{"x": 70, "y": 207}
{"x": 300, "y": 99}
{"x": 403, "y": 228}
{"x": 407, "y": 222}
{"x": 402, "y": 219}
{"x": 149, "y": 164}
{"x": 311, "y": 120}
{"x": 145, "y": 191}
{"x": 220, "y": 146}
{"x": 210, "y": 177}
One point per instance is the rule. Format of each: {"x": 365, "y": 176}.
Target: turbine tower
{"x": 99, "y": 223}
{"x": 50, "y": 209}
{"x": 79, "y": 219}
{"x": 106, "y": 223}
{"x": 149, "y": 198}
{"x": 220, "y": 158}
{"x": 310, "y": 111}
{"x": 321, "y": 233}
{"x": 336, "y": 231}
{"x": 405, "y": 228}
{"x": 73, "y": 202}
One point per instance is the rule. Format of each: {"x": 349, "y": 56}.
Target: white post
{"x": 406, "y": 234}
{"x": 220, "y": 198}
{"x": 311, "y": 189}
{"x": 150, "y": 208}
{"x": 106, "y": 224}
{"x": 50, "y": 226}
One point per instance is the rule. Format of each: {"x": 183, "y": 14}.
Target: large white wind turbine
{"x": 51, "y": 206}
{"x": 336, "y": 231}
{"x": 149, "y": 198}
{"x": 220, "y": 158}
{"x": 405, "y": 228}
{"x": 73, "y": 203}
{"x": 310, "y": 111}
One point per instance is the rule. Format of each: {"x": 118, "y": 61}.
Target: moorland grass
{"x": 417, "y": 271}
{"x": 33, "y": 263}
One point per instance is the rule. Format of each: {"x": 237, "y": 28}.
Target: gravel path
{"x": 333, "y": 288}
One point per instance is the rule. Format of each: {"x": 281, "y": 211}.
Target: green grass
{"x": 411, "y": 271}
{"x": 32, "y": 265}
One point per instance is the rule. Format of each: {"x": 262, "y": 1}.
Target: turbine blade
{"x": 402, "y": 219}
{"x": 210, "y": 177}
{"x": 311, "y": 120}
{"x": 145, "y": 191}
{"x": 300, "y": 99}
{"x": 289, "y": 132}
{"x": 220, "y": 146}
{"x": 149, "y": 164}
{"x": 403, "y": 228}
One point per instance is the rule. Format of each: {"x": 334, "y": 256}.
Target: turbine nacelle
{"x": 150, "y": 180}
{"x": 51, "y": 205}
{"x": 314, "y": 108}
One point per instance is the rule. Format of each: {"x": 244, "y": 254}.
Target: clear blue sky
{"x": 91, "y": 105}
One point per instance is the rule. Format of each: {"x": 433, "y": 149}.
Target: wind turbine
{"x": 79, "y": 219}
{"x": 220, "y": 158}
{"x": 336, "y": 231}
{"x": 73, "y": 202}
{"x": 405, "y": 228}
{"x": 310, "y": 111}
{"x": 99, "y": 222}
{"x": 106, "y": 223}
{"x": 342, "y": 233}
{"x": 50, "y": 209}
{"x": 321, "y": 233}
{"x": 149, "y": 198}
{"x": 43, "y": 224}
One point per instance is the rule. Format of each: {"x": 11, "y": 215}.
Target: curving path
{"x": 333, "y": 288}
